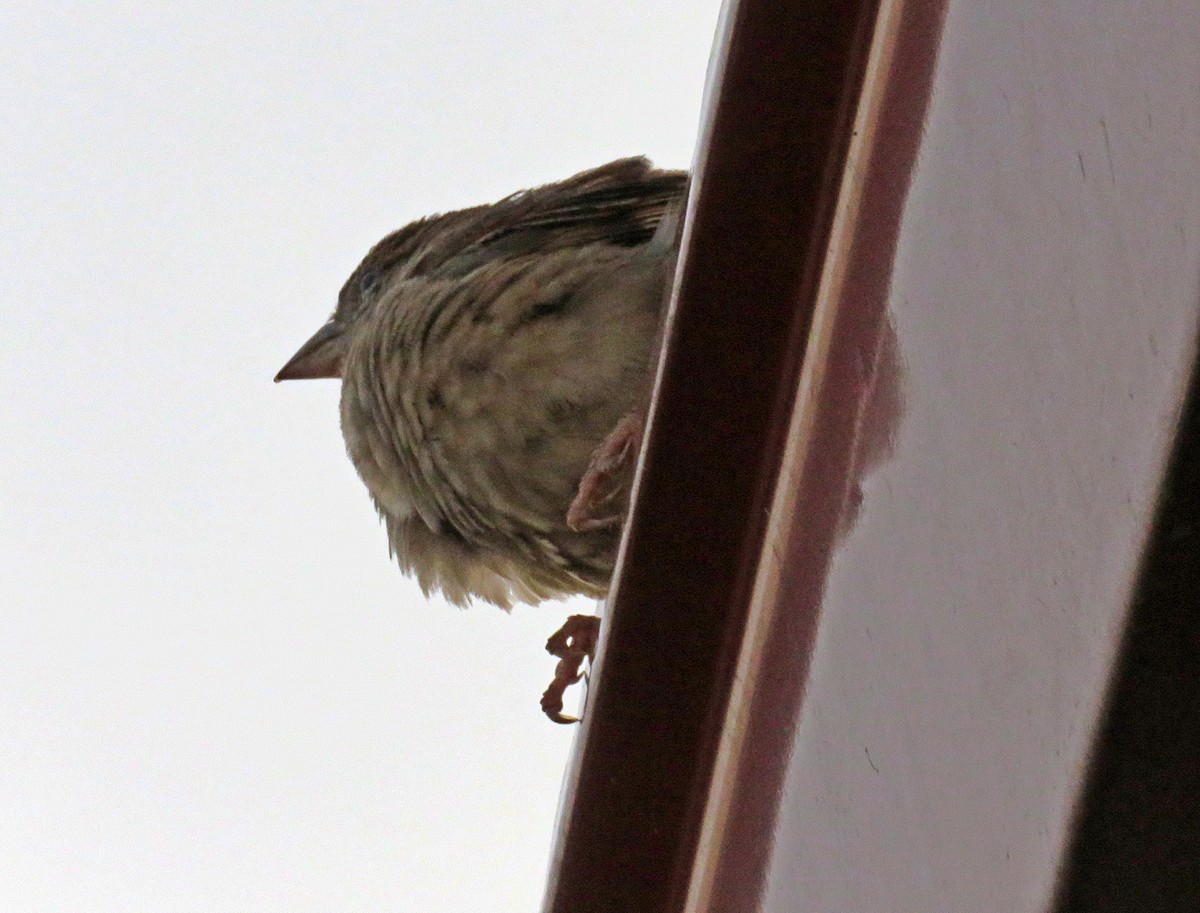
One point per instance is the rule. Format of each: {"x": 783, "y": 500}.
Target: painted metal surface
{"x": 1044, "y": 294}
{"x": 863, "y": 632}
{"x": 768, "y": 172}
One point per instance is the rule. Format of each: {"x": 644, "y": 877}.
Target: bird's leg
{"x": 574, "y": 642}
{"x": 599, "y": 485}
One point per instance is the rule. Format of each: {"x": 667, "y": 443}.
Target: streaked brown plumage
{"x": 485, "y": 354}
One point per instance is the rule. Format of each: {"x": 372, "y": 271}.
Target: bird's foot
{"x": 600, "y": 485}
{"x": 574, "y": 642}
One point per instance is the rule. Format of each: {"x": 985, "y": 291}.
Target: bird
{"x": 496, "y": 364}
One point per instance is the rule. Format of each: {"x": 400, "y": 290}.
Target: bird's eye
{"x": 367, "y": 281}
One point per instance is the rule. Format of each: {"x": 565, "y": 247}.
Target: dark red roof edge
{"x": 768, "y": 172}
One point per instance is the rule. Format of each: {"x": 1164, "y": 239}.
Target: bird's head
{"x": 401, "y": 255}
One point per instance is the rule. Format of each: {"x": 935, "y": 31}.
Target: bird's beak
{"x": 321, "y": 356}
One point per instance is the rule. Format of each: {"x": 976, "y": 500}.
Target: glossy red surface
{"x": 769, "y": 168}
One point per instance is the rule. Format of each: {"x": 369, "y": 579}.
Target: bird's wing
{"x": 620, "y": 203}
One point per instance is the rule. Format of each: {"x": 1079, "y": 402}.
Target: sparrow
{"x": 495, "y": 364}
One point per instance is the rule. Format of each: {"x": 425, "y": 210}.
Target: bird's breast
{"x": 476, "y": 403}
{"x": 374, "y": 456}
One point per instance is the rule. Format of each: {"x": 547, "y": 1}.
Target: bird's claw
{"x": 574, "y": 642}
{"x": 596, "y": 488}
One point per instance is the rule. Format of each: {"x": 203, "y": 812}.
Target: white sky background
{"x": 216, "y": 694}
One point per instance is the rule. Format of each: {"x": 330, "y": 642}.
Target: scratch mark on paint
{"x": 1108, "y": 152}
{"x": 869, "y": 761}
